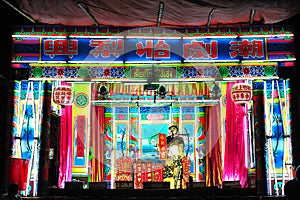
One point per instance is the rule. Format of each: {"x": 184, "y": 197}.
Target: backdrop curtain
{"x": 213, "y": 146}
{"x": 96, "y": 144}
{"x": 65, "y": 144}
{"x": 236, "y": 151}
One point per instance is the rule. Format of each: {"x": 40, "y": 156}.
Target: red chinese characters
{"x": 147, "y": 171}
{"x": 246, "y": 48}
{"x": 241, "y": 93}
{"x": 162, "y": 146}
{"x": 54, "y": 47}
{"x": 160, "y": 50}
{"x": 138, "y": 175}
{"x": 106, "y": 48}
{"x": 185, "y": 171}
{"x": 80, "y": 136}
{"x": 200, "y": 50}
{"x": 63, "y": 95}
{"x": 158, "y": 172}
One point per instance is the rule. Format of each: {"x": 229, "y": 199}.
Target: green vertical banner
{"x": 80, "y": 118}
{"x": 259, "y": 132}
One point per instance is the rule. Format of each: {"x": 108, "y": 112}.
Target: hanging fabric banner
{"x": 162, "y": 146}
{"x": 80, "y": 136}
{"x": 138, "y": 175}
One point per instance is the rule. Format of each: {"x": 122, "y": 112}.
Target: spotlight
{"x": 103, "y": 92}
{"x": 162, "y": 91}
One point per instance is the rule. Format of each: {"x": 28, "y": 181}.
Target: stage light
{"x": 162, "y": 91}
{"x": 103, "y": 92}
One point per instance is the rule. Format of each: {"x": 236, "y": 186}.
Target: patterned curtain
{"x": 213, "y": 146}
{"x": 180, "y": 89}
{"x": 96, "y": 144}
{"x": 235, "y": 159}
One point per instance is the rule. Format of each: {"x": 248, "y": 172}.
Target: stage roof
{"x": 154, "y": 13}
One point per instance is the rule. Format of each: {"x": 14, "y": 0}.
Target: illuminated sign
{"x": 152, "y": 50}
{"x": 160, "y": 72}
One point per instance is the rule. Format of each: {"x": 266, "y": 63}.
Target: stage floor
{"x": 153, "y": 194}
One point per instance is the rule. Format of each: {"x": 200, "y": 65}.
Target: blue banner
{"x": 110, "y": 50}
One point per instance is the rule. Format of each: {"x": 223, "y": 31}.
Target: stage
{"x": 195, "y": 193}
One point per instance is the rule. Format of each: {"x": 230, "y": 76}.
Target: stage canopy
{"x": 163, "y": 13}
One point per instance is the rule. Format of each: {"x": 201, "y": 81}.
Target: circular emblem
{"x": 81, "y": 100}
{"x": 37, "y": 72}
{"x": 83, "y": 72}
{"x": 224, "y": 71}
{"x": 269, "y": 71}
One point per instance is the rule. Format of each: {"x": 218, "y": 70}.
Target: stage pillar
{"x": 45, "y": 142}
{"x": 259, "y": 132}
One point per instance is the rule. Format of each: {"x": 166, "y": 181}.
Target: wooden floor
{"x": 153, "y": 194}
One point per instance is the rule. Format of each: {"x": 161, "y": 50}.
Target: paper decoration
{"x": 241, "y": 93}
{"x": 63, "y": 95}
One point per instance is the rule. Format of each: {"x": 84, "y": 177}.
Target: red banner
{"x": 125, "y": 165}
{"x": 186, "y": 171}
{"x": 80, "y": 136}
{"x": 138, "y": 175}
{"x": 148, "y": 172}
{"x": 124, "y": 169}
{"x": 162, "y": 146}
{"x": 158, "y": 172}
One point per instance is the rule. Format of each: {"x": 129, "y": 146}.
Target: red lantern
{"x": 241, "y": 93}
{"x": 63, "y": 95}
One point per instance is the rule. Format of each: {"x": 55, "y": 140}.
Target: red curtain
{"x": 96, "y": 143}
{"x": 213, "y": 146}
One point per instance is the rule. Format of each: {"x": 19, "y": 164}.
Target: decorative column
{"x": 45, "y": 141}
{"x": 259, "y": 130}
